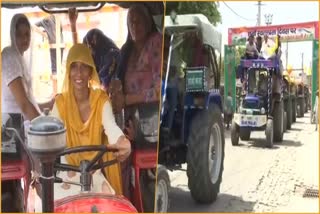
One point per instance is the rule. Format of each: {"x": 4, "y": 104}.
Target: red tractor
{"x": 16, "y": 174}
{"x": 15, "y": 167}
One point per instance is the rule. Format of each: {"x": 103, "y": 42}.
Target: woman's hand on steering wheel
{"x": 124, "y": 148}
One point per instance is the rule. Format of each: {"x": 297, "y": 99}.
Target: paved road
{"x": 258, "y": 179}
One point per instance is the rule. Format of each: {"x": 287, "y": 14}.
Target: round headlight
{"x": 263, "y": 111}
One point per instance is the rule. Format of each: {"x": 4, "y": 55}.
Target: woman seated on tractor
{"x": 140, "y": 73}
{"x": 87, "y": 114}
{"x": 104, "y": 51}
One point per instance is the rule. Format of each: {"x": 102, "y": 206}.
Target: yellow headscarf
{"x": 90, "y": 132}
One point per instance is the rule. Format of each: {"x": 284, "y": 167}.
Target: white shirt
{"x": 111, "y": 129}
{"x": 266, "y": 46}
{"x": 13, "y": 67}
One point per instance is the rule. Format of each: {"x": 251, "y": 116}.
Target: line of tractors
{"x": 269, "y": 100}
{"x": 297, "y": 99}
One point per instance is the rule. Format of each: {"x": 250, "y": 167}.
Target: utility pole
{"x": 259, "y": 14}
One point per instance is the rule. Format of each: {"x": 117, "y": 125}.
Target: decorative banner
{"x": 291, "y": 32}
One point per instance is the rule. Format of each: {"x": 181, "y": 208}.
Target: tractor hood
{"x": 254, "y": 102}
{"x": 251, "y": 98}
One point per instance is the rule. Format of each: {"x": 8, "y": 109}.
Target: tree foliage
{"x": 209, "y": 9}
{"x": 240, "y": 52}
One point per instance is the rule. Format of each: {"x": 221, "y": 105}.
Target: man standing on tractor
{"x": 267, "y": 44}
{"x": 259, "y": 43}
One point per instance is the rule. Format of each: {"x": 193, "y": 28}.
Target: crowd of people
{"x": 266, "y": 48}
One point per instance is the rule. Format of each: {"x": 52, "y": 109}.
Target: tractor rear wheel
{"x": 269, "y": 133}
{"x": 278, "y": 121}
{"x": 234, "y": 134}
{"x": 205, "y": 155}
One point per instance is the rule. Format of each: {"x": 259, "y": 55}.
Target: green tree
{"x": 240, "y": 52}
{"x": 209, "y": 9}
{"x": 221, "y": 66}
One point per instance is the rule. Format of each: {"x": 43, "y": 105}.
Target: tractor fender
{"x": 215, "y": 98}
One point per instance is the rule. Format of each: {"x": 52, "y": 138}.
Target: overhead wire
{"x": 237, "y": 13}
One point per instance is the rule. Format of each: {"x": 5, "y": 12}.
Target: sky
{"x": 284, "y": 12}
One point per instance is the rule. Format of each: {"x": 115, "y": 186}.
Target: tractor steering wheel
{"x": 86, "y": 165}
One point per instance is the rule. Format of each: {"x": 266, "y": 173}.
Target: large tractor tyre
{"x": 234, "y": 134}
{"x": 305, "y": 105}
{"x": 289, "y": 114}
{"x": 148, "y": 186}
{"x": 12, "y": 197}
{"x": 269, "y": 133}
{"x": 300, "y": 107}
{"x": 205, "y": 155}
{"x": 309, "y": 104}
{"x": 163, "y": 189}
{"x": 278, "y": 121}
{"x": 285, "y": 121}
{"x": 245, "y": 134}
{"x": 294, "y": 110}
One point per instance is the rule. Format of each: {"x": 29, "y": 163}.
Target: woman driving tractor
{"x": 91, "y": 122}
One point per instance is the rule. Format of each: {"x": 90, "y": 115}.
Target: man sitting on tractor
{"x": 251, "y": 49}
{"x": 263, "y": 84}
{"x": 172, "y": 90}
{"x": 172, "y": 93}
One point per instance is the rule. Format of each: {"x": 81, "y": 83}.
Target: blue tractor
{"x": 191, "y": 129}
{"x": 262, "y": 106}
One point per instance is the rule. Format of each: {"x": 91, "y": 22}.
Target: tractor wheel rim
{"x": 215, "y": 153}
{"x": 162, "y": 197}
